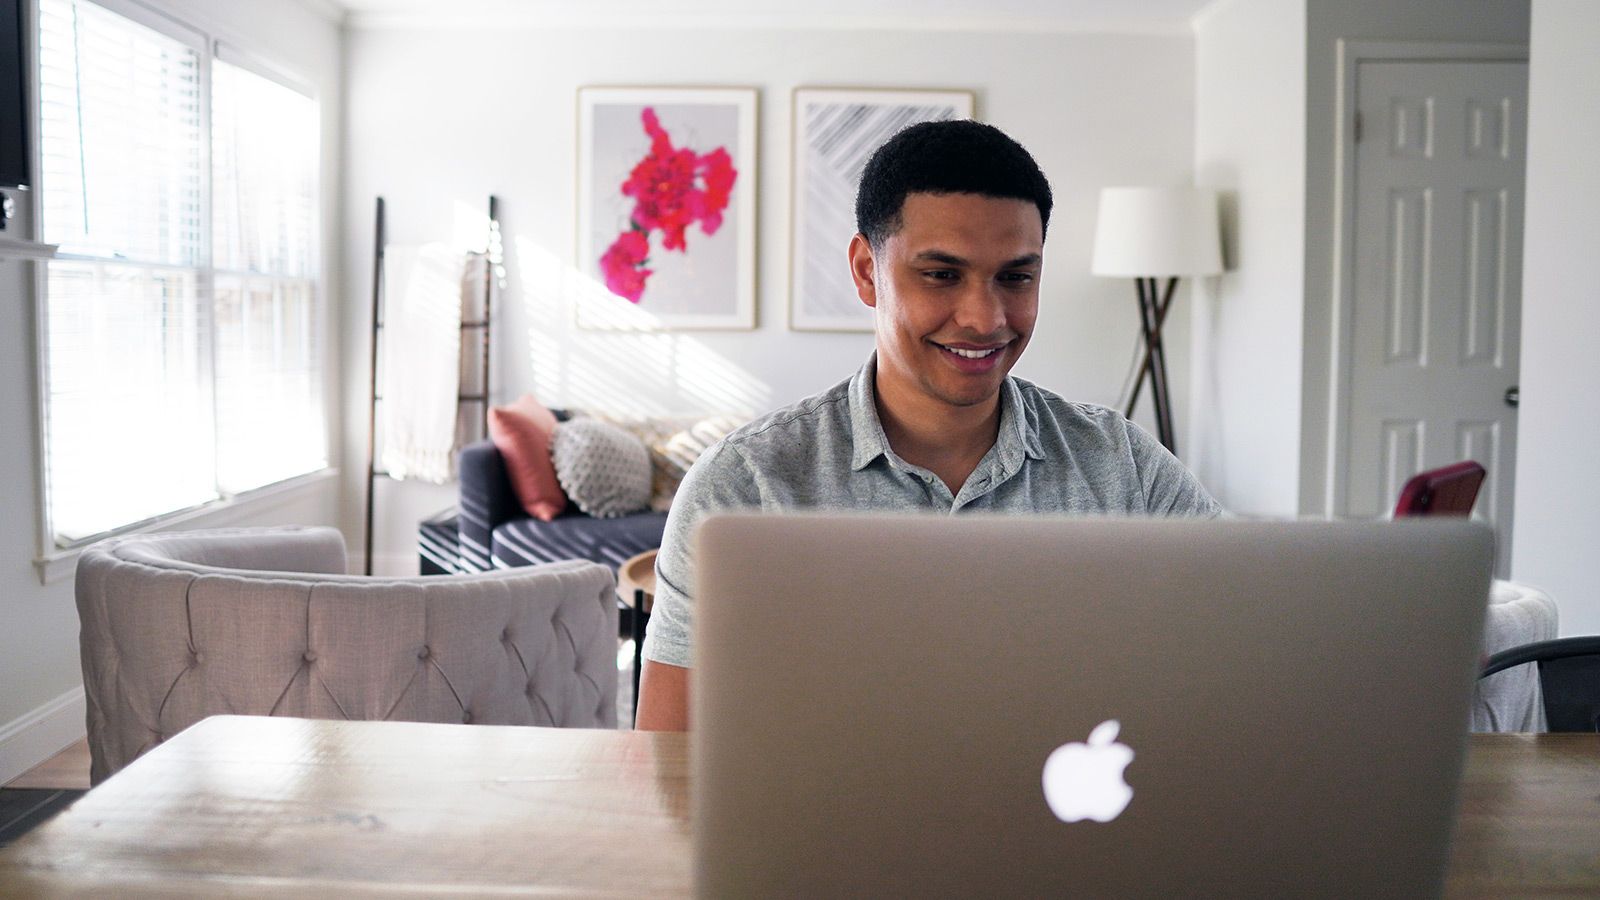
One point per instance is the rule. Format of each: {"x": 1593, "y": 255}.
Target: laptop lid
{"x": 1221, "y": 708}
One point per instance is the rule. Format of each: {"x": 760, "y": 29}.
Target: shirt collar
{"x": 866, "y": 432}
{"x": 1019, "y": 426}
{"x": 1018, "y": 433}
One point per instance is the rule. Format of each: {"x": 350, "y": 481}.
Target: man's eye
{"x": 939, "y": 274}
{"x": 1016, "y": 277}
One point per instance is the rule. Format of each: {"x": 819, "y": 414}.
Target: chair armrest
{"x": 294, "y": 550}
{"x": 486, "y": 502}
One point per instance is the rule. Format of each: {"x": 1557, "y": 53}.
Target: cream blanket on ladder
{"x": 421, "y": 356}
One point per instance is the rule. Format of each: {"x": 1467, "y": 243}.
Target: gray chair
{"x": 180, "y": 626}
{"x": 1569, "y": 679}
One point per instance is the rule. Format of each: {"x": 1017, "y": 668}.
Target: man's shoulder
{"x": 1047, "y": 412}
{"x": 781, "y": 429}
{"x": 783, "y": 447}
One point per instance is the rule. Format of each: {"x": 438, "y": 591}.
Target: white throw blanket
{"x": 1511, "y": 700}
{"x": 421, "y": 359}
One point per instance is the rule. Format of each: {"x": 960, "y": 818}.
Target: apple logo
{"x": 1084, "y": 781}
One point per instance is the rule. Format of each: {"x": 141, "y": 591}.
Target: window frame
{"x": 55, "y": 561}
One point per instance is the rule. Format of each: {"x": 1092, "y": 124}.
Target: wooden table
{"x": 1529, "y": 823}
{"x": 257, "y": 806}
{"x": 247, "y": 805}
{"x": 638, "y": 576}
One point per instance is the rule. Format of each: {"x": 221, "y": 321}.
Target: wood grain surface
{"x": 638, "y": 573}
{"x": 258, "y": 806}
{"x": 247, "y": 805}
{"x": 1529, "y": 820}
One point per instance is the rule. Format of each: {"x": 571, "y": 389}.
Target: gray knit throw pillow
{"x": 603, "y": 469}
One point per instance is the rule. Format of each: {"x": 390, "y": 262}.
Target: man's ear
{"x": 861, "y": 270}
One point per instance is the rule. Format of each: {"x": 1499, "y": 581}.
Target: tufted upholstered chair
{"x": 180, "y": 626}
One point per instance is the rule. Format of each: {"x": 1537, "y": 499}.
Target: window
{"x": 264, "y": 212}
{"x": 181, "y": 362}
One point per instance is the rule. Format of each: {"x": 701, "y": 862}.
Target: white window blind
{"x": 162, "y": 372}
{"x": 128, "y": 404}
{"x": 270, "y": 421}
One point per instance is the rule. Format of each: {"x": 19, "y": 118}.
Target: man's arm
{"x": 663, "y": 698}
{"x": 717, "y": 481}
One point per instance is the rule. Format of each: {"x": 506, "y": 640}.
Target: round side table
{"x": 636, "y": 588}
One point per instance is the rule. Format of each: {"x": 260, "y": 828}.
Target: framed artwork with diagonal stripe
{"x": 835, "y": 131}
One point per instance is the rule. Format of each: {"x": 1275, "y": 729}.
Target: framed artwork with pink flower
{"x": 835, "y": 131}
{"x": 666, "y": 208}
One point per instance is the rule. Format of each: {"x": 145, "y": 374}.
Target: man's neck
{"x": 947, "y": 440}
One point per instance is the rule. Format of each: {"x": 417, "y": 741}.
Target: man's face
{"x": 956, "y": 291}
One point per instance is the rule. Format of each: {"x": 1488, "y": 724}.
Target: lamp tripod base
{"x": 1154, "y": 303}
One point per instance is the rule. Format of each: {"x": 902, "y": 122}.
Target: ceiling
{"x": 1050, "y": 15}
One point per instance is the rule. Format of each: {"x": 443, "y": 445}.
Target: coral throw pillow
{"x": 521, "y": 432}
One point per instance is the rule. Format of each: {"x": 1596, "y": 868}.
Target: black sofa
{"x": 493, "y": 531}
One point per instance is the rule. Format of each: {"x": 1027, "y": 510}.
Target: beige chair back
{"x": 180, "y": 626}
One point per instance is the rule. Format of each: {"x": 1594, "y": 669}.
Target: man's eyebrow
{"x": 950, "y": 259}
{"x": 939, "y": 256}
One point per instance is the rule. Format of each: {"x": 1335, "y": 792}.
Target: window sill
{"x": 60, "y": 565}
{"x": 16, "y": 248}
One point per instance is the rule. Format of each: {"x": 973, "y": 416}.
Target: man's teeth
{"x": 972, "y": 354}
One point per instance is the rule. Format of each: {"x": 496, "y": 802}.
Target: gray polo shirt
{"x": 829, "y": 451}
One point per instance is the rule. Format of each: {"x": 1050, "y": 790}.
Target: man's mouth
{"x": 968, "y": 351}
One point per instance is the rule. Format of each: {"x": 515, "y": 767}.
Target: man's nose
{"x": 981, "y": 309}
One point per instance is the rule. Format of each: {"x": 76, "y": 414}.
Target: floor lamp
{"x": 1149, "y": 234}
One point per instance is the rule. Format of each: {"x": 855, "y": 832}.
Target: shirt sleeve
{"x": 719, "y": 481}
{"x": 1170, "y": 489}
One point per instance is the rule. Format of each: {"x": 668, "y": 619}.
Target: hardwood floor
{"x": 24, "y": 809}
{"x": 67, "y": 770}
{"x": 33, "y": 797}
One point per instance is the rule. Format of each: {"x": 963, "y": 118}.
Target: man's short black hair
{"x": 956, "y": 156}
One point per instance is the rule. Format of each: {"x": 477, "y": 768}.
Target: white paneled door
{"x": 1439, "y": 159}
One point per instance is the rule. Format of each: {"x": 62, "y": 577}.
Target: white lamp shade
{"x": 1157, "y": 232}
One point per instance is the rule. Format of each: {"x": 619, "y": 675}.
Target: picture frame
{"x": 666, "y": 208}
{"x": 834, "y": 131}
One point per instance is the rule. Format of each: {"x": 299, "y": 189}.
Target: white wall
{"x": 1558, "y": 497}
{"x": 41, "y": 707}
{"x": 438, "y": 119}
{"x": 1250, "y": 145}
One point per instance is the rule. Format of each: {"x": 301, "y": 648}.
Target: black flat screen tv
{"x": 14, "y": 156}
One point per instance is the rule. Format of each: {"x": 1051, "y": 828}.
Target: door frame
{"x": 1341, "y": 351}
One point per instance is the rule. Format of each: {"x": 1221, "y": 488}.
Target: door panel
{"x": 1438, "y": 274}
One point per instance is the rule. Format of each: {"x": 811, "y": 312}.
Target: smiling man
{"x": 951, "y": 219}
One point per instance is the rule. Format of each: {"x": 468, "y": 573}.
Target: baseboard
{"x": 41, "y": 734}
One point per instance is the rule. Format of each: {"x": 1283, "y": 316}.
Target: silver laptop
{"x": 935, "y": 706}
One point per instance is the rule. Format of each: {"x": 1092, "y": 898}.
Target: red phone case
{"x": 1449, "y": 491}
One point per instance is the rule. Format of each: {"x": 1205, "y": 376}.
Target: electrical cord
{"x": 1134, "y": 369}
